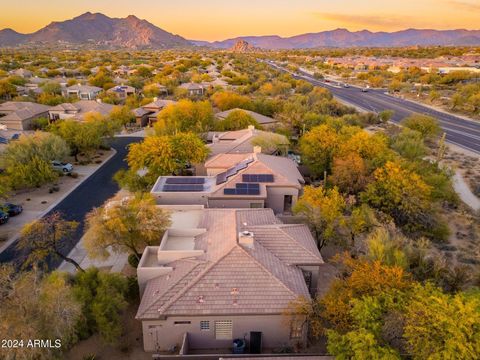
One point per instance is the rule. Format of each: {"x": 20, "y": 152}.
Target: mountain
{"x": 241, "y": 46}
{"x": 364, "y": 38}
{"x": 98, "y": 30}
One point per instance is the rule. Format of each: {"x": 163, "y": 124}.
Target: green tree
{"x": 184, "y": 116}
{"x": 125, "y": 226}
{"x": 45, "y": 237}
{"x": 424, "y": 124}
{"x": 103, "y": 298}
{"x": 323, "y": 212}
{"x": 409, "y": 144}
{"x": 318, "y": 147}
{"x": 36, "y": 308}
{"x": 236, "y": 120}
{"x": 165, "y": 155}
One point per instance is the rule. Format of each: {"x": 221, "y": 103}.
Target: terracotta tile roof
{"x": 259, "y": 118}
{"x": 230, "y": 278}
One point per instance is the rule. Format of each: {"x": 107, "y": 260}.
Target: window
{"x": 256, "y": 205}
{"x": 182, "y": 322}
{"x": 296, "y": 329}
{"x": 224, "y": 330}
{"x": 205, "y": 325}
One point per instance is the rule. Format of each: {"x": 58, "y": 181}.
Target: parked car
{"x": 3, "y": 140}
{"x": 346, "y": 85}
{"x": 62, "y": 166}
{"x": 365, "y": 89}
{"x": 3, "y": 217}
{"x": 12, "y": 209}
{"x": 15, "y": 137}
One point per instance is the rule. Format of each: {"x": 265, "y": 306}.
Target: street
{"x": 93, "y": 192}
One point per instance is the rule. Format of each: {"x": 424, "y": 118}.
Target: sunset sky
{"x": 221, "y": 19}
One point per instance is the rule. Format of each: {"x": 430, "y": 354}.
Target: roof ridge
{"x": 296, "y": 241}
{"x": 195, "y": 280}
{"x": 266, "y": 269}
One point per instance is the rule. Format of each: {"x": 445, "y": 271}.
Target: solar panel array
{"x": 257, "y": 178}
{"x": 243, "y": 189}
{"x": 185, "y": 180}
{"x": 182, "y": 188}
{"x": 222, "y": 177}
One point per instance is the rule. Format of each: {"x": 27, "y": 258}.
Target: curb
{"x": 46, "y": 211}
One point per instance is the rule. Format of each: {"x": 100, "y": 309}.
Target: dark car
{"x": 3, "y": 217}
{"x": 15, "y": 137}
{"x": 12, "y": 209}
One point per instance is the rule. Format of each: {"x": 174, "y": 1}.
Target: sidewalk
{"x": 464, "y": 191}
{"x": 38, "y": 202}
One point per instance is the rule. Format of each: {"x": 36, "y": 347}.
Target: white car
{"x": 61, "y": 166}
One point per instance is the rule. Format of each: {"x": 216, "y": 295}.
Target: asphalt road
{"x": 462, "y": 132}
{"x": 93, "y": 192}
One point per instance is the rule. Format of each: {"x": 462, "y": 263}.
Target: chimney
{"x": 246, "y": 239}
{"x": 257, "y": 149}
{"x": 99, "y": 101}
{"x": 251, "y": 127}
{"x": 155, "y": 99}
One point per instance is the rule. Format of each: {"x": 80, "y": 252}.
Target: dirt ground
{"x": 130, "y": 345}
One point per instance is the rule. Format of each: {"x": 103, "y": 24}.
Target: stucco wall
{"x": 167, "y": 334}
{"x": 176, "y": 198}
{"x": 275, "y": 197}
{"x": 233, "y": 203}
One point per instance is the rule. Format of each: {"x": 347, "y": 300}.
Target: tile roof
{"x": 230, "y": 278}
{"x": 259, "y": 118}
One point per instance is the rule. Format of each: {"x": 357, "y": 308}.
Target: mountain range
{"x": 98, "y": 30}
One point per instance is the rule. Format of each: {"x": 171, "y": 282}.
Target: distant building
{"x": 83, "y": 92}
{"x": 236, "y": 181}
{"x": 19, "y": 115}
{"x": 78, "y": 110}
{"x": 193, "y": 89}
{"x": 22, "y": 73}
{"x": 122, "y": 91}
{"x": 147, "y": 114}
{"x": 224, "y": 274}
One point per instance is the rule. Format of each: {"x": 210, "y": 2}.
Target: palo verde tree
{"x": 45, "y": 237}
{"x": 125, "y": 226}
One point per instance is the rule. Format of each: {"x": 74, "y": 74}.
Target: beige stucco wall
{"x": 234, "y": 203}
{"x": 275, "y": 197}
{"x": 176, "y": 198}
{"x": 164, "y": 335}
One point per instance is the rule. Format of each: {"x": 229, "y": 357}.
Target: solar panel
{"x": 231, "y": 171}
{"x": 182, "y": 188}
{"x": 185, "y": 180}
{"x": 257, "y": 178}
{"x": 247, "y": 186}
{"x": 241, "y": 166}
{"x": 243, "y": 189}
{"x": 229, "y": 191}
{"x": 221, "y": 178}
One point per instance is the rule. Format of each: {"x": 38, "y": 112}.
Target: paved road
{"x": 464, "y": 133}
{"x": 93, "y": 192}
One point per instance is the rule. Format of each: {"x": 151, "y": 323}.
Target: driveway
{"x": 92, "y": 193}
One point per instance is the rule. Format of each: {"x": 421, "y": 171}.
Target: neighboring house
{"x": 147, "y": 114}
{"x": 19, "y": 115}
{"x": 252, "y": 180}
{"x": 225, "y": 274}
{"x": 78, "y": 110}
{"x": 83, "y": 92}
{"x": 22, "y": 73}
{"x": 193, "y": 89}
{"x": 231, "y": 142}
{"x": 264, "y": 121}
{"x": 122, "y": 91}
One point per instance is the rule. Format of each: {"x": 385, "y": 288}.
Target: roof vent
{"x": 200, "y": 299}
{"x": 246, "y": 239}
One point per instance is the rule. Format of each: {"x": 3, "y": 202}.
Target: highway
{"x": 461, "y": 132}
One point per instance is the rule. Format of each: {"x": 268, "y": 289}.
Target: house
{"x": 264, "y": 121}
{"x": 224, "y": 274}
{"x": 22, "y": 73}
{"x": 78, "y": 110}
{"x": 83, "y": 92}
{"x": 193, "y": 89}
{"x": 122, "y": 91}
{"x": 252, "y": 180}
{"x": 238, "y": 141}
{"x": 20, "y": 115}
{"x": 147, "y": 114}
